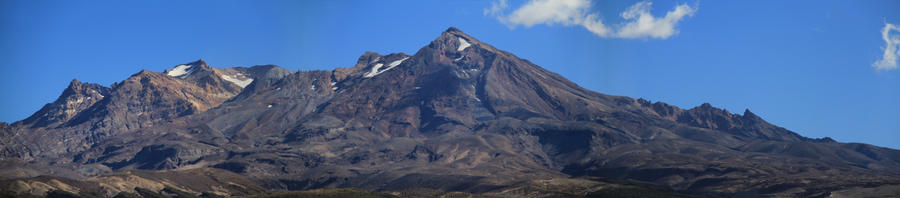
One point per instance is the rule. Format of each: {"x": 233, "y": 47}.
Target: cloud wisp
{"x": 638, "y": 22}
{"x": 891, "y": 35}
{"x": 496, "y": 8}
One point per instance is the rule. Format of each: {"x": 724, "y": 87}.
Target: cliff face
{"x": 458, "y": 115}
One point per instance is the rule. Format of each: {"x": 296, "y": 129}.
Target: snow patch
{"x": 374, "y": 71}
{"x": 377, "y": 68}
{"x": 270, "y": 106}
{"x": 463, "y": 44}
{"x": 236, "y": 81}
{"x": 396, "y": 62}
{"x": 181, "y": 71}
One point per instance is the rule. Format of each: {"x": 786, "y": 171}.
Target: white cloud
{"x": 638, "y": 22}
{"x": 566, "y": 12}
{"x": 642, "y": 24}
{"x": 496, "y": 8}
{"x": 596, "y": 26}
{"x": 891, "y": 48}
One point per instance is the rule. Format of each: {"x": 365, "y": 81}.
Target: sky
{"x": 819, "y": 68}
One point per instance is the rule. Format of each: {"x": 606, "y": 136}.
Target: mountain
{"x": 457, "y": 116}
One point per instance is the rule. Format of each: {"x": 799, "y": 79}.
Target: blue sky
{"x": 808, "y": 66}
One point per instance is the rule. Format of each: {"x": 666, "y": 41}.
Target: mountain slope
{"x": 458, "y": 115}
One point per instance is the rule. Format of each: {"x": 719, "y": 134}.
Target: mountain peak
{"x": 367, "y": 58}
{"x": 185, "y": 70}
{"x": 453, "y": 29}
{"x": 199, "y": 62}
{"x": 74, "y": 81}
{"x": 454, "y": 39}
{"x": 74, "y": 86}
{"x": 748, "y": 114}
{"x": 143, "y": 72}
{"x": 454, "y": 47}
{"x": 454, "y": 32}
{"x": 75, "y": 98}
